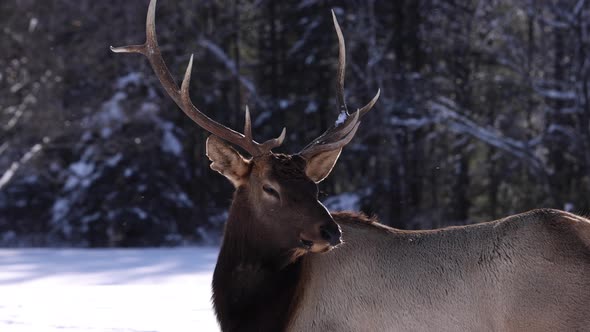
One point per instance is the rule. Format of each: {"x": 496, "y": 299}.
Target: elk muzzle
{"x": 325, "y": 237}
{"x": 331, "y": 233}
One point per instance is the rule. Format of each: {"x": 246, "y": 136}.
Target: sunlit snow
{"x": 119, "y": 290}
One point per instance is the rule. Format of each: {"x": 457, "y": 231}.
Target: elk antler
{"x": 181, "y": 97}
{"x": 342, "y": 132}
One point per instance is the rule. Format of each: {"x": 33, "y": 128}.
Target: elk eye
{"x": 270, "y": 190}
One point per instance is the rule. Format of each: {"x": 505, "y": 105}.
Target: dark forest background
{"x": 484, "y": 111}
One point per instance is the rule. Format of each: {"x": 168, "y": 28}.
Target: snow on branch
{"x": 556, "y": 94}
{"x": 411, "y": 123}
{"x": 309, "y": 31}
{"x": 446, "y": 111}
{"x": 3, "y": 147}
{"x": 9, "y": 174}
{"x": 14, "y": 120}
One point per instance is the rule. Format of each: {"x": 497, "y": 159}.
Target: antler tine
{"x": 337, "y": 135}
{"x": 181, "y": 97}
{"x": 274, "y": 142}
{"x": 151, "y": 51}
{"x": 333, "y": 138}
{"x": 334, "y": 145}
{"x": 370, "y": 104}
{"x": 268, "y": 145}
{"x": 248, "y": 124}
{"x": 341, "y": 66}
{"x": 342, "y": 132}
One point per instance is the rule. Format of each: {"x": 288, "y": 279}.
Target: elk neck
{"x": 253, "y": 287}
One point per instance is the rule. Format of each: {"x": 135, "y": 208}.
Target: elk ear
{"x": 320, "y": 165}
{"x": 227, "y": 161}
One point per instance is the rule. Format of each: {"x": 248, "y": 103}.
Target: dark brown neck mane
{"x": 253, "y": 288}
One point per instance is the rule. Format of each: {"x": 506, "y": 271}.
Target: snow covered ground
{"x": 48, "y": 290}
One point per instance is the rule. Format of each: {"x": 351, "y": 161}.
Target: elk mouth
{"x": 314, "y": 247}
{"x": 305, "y": 244}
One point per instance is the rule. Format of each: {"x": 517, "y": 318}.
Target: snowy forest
{"x": 484, "y": 111}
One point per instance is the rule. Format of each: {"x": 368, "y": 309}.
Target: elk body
{"x": 287, "y": 264}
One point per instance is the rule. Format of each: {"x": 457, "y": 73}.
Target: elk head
{"x": 278, "y": 192}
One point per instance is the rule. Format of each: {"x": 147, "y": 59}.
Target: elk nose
{"x": 331, "y": 233}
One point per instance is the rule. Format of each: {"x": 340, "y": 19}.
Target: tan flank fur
{"x": 287, "y": 264}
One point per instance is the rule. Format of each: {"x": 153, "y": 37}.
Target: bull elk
{"x": 283, "y": 265}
